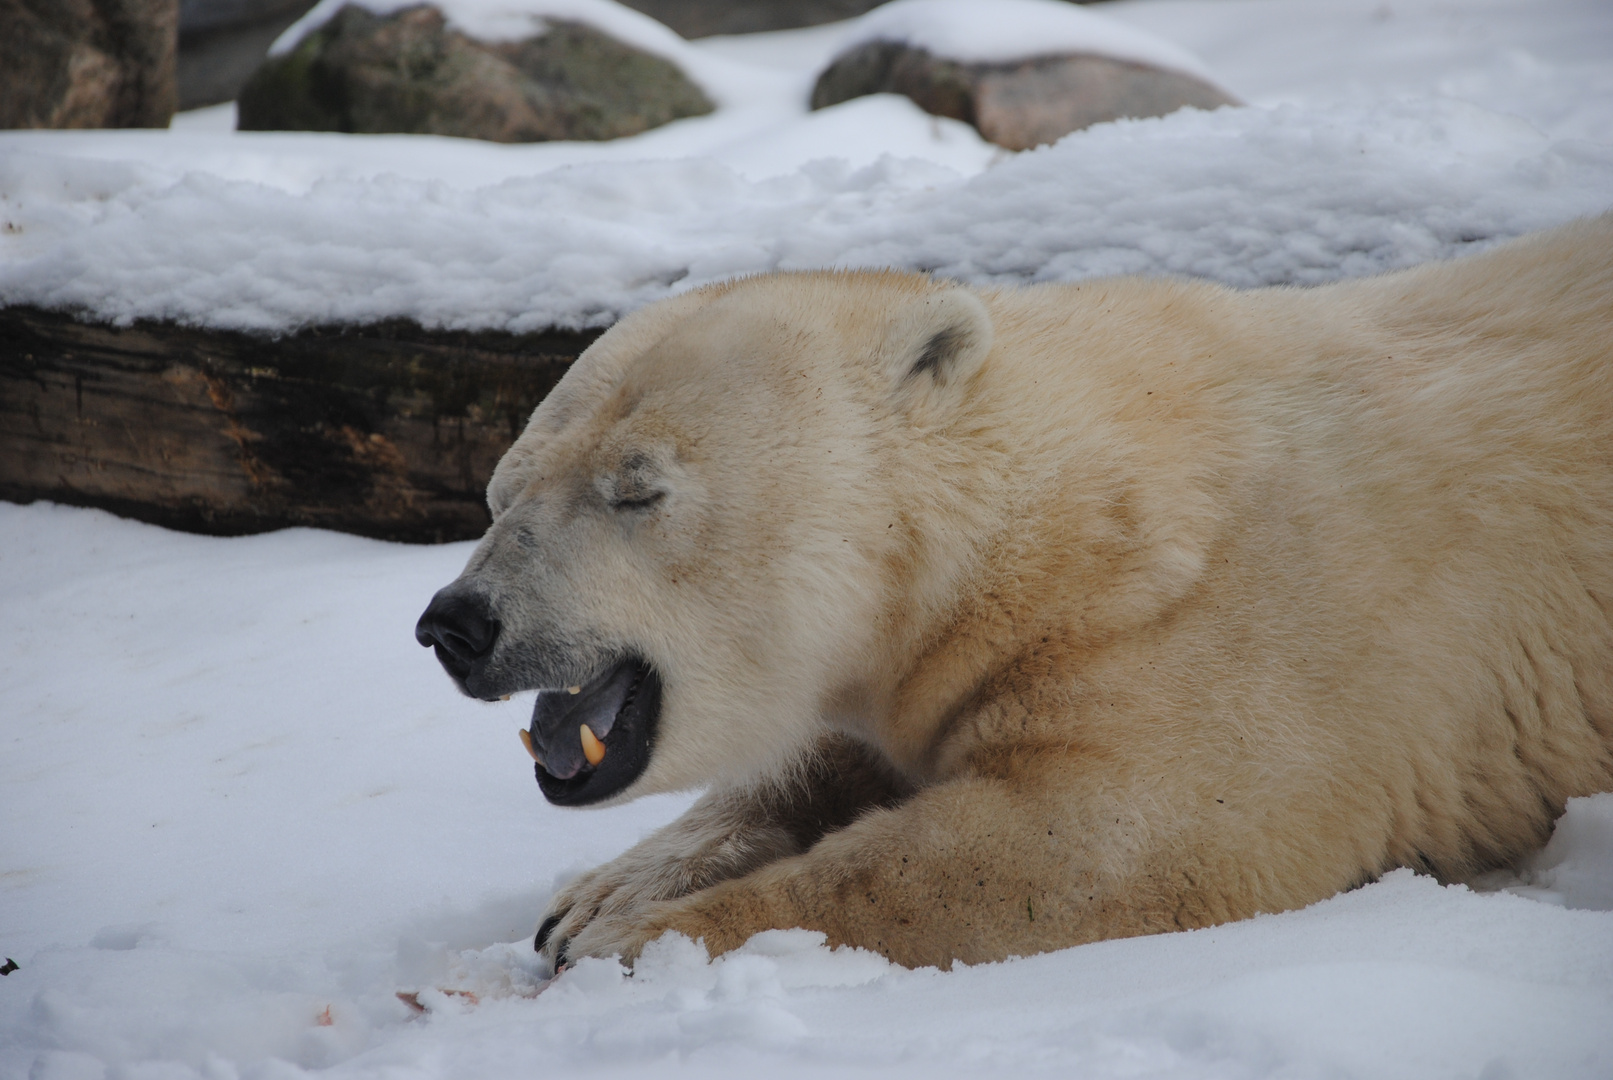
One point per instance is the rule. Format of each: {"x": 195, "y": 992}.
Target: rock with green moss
{"x": 1019, "y": 104}
{"x": 410, "y": 72}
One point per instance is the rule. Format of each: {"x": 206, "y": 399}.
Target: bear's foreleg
{"x": 726, "y": 834}
{"x": 974, "y": 870}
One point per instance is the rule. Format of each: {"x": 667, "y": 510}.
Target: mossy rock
{"x": 410, "y": 73}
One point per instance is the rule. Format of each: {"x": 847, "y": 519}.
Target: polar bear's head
{"x": 700, "y": 537}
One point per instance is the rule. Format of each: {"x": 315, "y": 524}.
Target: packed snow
{"x": 1286, "y": 195}
{"x": 241, "y": 811}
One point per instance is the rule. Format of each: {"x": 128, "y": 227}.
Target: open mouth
{"x": 592, "y": 741}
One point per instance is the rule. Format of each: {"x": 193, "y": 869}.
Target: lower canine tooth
{"x": 592, "y": 748}
{"x": 526, "y": 741}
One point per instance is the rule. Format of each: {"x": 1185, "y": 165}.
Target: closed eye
{"x": 638, "y": 500}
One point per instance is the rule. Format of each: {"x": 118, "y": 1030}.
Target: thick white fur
{"x": 1143, "y": 605}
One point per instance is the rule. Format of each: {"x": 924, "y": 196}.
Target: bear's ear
{"x": 933, "y": 345}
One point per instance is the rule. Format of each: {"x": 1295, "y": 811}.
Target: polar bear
{"x": 1000, "y": 621}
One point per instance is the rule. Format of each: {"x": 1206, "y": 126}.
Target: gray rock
{"x": 197, "y": 16}
{"x": 222, "y": 42}
{"x": 87, "y": 63}
{"x": 1020, "y": 104}
{"x": 408, "y": 72}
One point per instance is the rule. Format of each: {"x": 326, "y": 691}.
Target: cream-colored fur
{"x": 1005, "y": 621}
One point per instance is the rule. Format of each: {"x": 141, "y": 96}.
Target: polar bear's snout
{"x": 461, "y": 627}
{"x": 597, "y": 709}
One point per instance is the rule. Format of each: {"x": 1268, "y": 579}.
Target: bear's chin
{"x": 628, "y": 738}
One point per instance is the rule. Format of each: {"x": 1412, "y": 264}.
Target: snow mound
{"x": 1574, "y": 870}
{"x": 1004, "y": 30}
{"x": 1290, "y": 195}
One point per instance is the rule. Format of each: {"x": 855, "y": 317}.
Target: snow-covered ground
{"x": 239, "y": 800}
{"x": 240, "y": 810}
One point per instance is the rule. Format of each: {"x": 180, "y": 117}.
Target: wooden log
{"x": 388, "y": 430}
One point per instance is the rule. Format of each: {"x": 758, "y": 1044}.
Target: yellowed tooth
{"x": 506, "y": 697}
{"x": 592, "y": 748}
{"x": 526, "y": 741}
{"x": 573, "y": 689}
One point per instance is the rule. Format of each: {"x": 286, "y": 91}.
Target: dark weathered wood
{"x": 387, "y": 430}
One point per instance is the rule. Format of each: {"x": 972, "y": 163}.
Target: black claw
{"x": 544, "y": 930}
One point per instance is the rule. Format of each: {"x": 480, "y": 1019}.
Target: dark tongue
{"x": 558, "y": 716}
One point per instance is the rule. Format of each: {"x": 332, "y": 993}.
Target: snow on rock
{"x": 1244, "y": 196}
{"x": 1005, "y": 30}
{"x": 515, "y": 20}
{"x": 506, "y": 20}
{"x": 960, "y": 29}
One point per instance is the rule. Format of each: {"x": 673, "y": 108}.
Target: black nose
{"x": 460, "y": 627}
